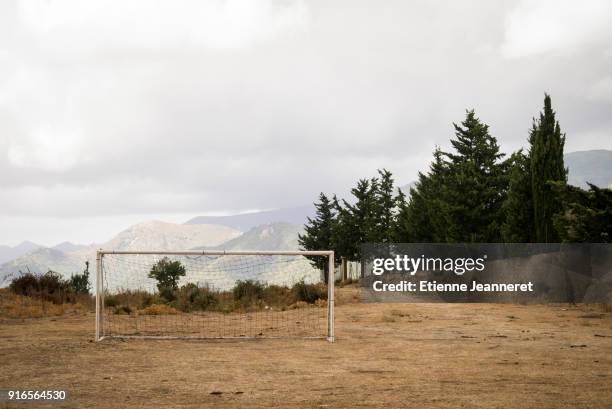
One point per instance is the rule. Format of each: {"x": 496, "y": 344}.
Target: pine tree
{"x": 398, "y": 228}
{"x": 476, "y": 184}
{"x": 518, "y": 226}
{"x": 546, "y": 166}
{"x": 385, "y": 208}
{"x": 319, "y": 232}
{"x": 359, "y": 220}
{"x": 421, "y": 220}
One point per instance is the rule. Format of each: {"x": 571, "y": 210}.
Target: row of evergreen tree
{"x": 473, "y": 194}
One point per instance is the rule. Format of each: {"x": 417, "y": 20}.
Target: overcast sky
{"x": 116, "y": 112}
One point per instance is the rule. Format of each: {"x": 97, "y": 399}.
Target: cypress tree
{"x": 546, "y": 164}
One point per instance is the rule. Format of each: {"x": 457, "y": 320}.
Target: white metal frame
{"x": 99, "y": 336}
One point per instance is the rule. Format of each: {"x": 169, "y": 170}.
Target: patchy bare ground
{"x": 386, "y": 355}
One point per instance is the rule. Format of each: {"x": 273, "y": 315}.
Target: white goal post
{"x": 214, "y": 294}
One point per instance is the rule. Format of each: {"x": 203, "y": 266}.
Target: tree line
{"x": 471, "y": 194}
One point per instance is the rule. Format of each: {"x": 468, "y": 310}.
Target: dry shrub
{"x": 309, "y": 293}
{"x": 299, "y": 304}
{"x": 277, "y": 296}
{"x": 131, "y": 298}
{"x": 192, "y": 297}
{"x": 158, "y": 309}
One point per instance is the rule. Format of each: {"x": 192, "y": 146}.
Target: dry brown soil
{"x": 386, "y": 355}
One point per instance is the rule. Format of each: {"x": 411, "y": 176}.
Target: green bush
{"x": 80, "y": 282}
{"x": 248, "y": 291}
{"x": 309, "y": 292}
{"x": 190, "y": 297}
{"x": 167, "y": 273}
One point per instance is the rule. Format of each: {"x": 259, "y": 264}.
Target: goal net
{"x": 214, "y": 294}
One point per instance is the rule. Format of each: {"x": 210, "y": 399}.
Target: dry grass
{"x": 429, "y": 356}
{"x": 159, "y": 309}
{"x": 18, "y": 306}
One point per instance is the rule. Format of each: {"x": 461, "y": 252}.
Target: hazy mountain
{"x": 156, "y": 235}
{"x": 42, "y": 260}
{"x": 68, "y": 247}
{"x": 8, "y": 253}
{"x": 589, "y": 166}
{"x": 272, "y": 236}
{"x": 153, "y": 235}
{"x": 244, "y": 222}
{"x": 221, "y": 272}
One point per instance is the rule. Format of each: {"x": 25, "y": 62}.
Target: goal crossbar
{"x": 99, "y": 324}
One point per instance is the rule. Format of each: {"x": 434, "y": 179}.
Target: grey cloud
{"x": 153, "y": 109}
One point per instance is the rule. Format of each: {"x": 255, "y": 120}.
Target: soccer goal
{"x": 214, "y": 294}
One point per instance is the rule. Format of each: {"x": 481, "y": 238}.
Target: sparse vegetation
{"x": 246, "y": 295}
{"x": 49, "y": 287}
{"x": 309, "y": 293}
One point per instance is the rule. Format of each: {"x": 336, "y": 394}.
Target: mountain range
{"x": 149, "y": 235}
{"x": 246, "y": 221}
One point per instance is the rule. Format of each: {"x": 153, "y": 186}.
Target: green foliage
{"x": 518, "y": 226}
{"x": 167, "y": 273}
{"x": 319, "y": 231}
{"x": 343, "y": 225}
{"x": 460, "y": 199}
{"x": 420, "y": 220}
{"x": 371, "y": 217}
{"x": 546, "y": 163}
{"x": 475, "y": 185}
{"x": 191, "y": 297}
{"x": 80, "y": 282}
{"x": 586, "y": 215}
{"x": 248, "y": 291}
{"x": 309, "y": 293}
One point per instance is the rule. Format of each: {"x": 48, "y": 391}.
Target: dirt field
{"x": 386, "y": 355}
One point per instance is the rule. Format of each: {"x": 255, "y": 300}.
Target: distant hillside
{"x": 156, "y": 235}
{"x": 40, "y": 261}
{"x": 8, "y": 253}
{"x": 589, "y": 166}
{"x": 278, "y": 270}
{"x": 245, "y": 222}
{"x": 68, "y": 247}
{"x": 273, "y": 236}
